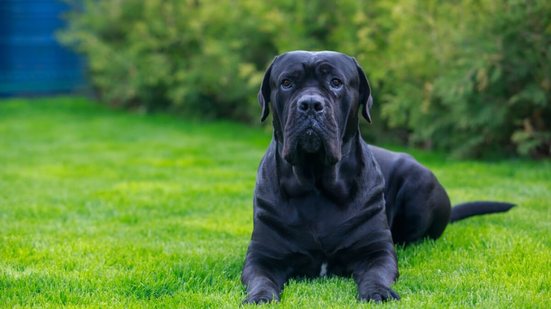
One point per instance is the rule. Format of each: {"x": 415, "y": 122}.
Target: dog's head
{"x": 315, "y": 97}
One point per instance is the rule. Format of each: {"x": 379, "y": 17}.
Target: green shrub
{"x": 479, "y": 78}
{"x": 471, "y": 77}
{"x": 203, "y": 58}
{"x": 171, "y": 54}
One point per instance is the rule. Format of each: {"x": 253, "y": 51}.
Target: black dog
{"x": 327, "y": 203}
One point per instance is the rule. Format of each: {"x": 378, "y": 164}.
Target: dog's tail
{"x": 465, "y": 210}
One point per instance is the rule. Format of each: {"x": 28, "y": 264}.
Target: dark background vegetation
{"x": 471, "y": 77}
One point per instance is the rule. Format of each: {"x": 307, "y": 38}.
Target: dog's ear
{"x": 264, "y": 93}
{"x": 365, "y": 93}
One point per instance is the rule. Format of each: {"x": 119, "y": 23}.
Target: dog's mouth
{"x": 309, "y": 141}
{"x": 310, "y": 144}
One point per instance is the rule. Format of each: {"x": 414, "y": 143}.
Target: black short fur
{"x": 326, "y": 202}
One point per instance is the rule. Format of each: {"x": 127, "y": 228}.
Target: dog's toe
{"x": 261, "y": 297}
{"x": 379, "y": 294}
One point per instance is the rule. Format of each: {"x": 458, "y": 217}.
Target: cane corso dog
{"x": 325, "y": 202}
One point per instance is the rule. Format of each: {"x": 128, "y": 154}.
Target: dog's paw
{"x": 261, "y": 297}
{"x": 379, "y": 294}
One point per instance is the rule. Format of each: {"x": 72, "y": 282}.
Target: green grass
{"x": 103, "y": 208}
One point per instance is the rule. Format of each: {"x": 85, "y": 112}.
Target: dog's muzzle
{"x": 311, "y": 108}
{"x": 310, "y": 130}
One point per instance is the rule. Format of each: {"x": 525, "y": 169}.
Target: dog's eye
{"x": 336, "y": 83}
{"x": 286, "y": 83}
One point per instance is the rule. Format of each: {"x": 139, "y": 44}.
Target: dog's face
{"x": 315, "y": 98}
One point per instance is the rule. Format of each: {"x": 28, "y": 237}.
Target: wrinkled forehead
{"x": 305, "y": 60}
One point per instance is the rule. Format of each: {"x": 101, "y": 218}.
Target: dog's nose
{"x": 310, "y": 103}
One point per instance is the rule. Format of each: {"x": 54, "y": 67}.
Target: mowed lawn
{"x": 106, "y": 208}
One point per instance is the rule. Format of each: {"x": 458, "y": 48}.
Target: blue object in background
{"x": 31, "y": 60}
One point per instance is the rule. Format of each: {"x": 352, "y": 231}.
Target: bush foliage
{"x": 468, "y": 76}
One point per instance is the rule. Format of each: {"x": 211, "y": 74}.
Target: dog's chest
{"x": 320, "y": 220}
{"x": 319, "y": 235}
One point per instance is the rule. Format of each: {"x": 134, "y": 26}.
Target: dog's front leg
{"x": 264, "y": 284}
{"x": 376, "y": 273}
